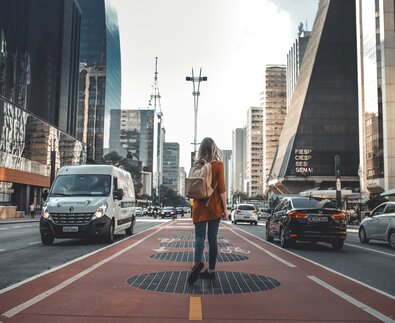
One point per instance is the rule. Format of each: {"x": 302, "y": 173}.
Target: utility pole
{"x": 196, "y": 94}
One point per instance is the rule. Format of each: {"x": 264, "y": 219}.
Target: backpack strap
{"x": 208, "y": 200}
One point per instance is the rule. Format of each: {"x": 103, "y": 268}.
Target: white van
{"x": 88, "y": 201}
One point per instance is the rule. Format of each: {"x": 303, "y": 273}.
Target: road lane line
{"x": 34, "y": 242}
{"x": 370, "y": 249}
{"x": 17, "y": 309}
{"x": 2, "y": 250}
{"x": 17, "y": 227}
{"x": 352, "y": 300}
{"x": 264, "y": 250}
{"x": 195, "y": 309}
{"x": 324, "y": 267}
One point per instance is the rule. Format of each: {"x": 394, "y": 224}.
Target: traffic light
{"x": 337, "y": 166}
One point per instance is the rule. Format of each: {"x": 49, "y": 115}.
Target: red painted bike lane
{"x": 101, "y": 287}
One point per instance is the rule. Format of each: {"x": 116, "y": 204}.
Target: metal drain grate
{"x": 187, "y": 256}
{"x": 225, "y": 283}
{"x": 190, "y": 244}
{"x": 189, "y": 237}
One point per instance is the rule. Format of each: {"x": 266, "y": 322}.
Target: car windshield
{"x": 168, "y": 208}
{"x": 246, "y": 207}
{"x": 81, "y": 185}
{"x": 311, "y": 203}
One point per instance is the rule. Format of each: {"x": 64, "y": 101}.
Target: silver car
{"x": 379, "y": 224}
{"x": 244, "y": 213}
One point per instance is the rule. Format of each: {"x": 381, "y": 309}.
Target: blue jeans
{"x": 200, "y": 236}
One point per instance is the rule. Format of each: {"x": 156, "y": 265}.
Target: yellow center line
{"x": 195, "y": 309}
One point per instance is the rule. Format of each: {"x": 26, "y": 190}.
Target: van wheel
{"x": 47, "y": 239}
{"x": 110, "y": 233}
{"x": 129, "y": 231}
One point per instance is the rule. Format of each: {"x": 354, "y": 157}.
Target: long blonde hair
{"x": 208, "y": 151}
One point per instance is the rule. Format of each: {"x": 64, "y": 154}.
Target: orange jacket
{"x": 215, "y": 209}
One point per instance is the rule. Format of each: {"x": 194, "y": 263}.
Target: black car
{"x": 306, "y": 219}
{"x": 169, "y": 211}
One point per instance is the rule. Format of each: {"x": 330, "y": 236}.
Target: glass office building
{"x": 376, "y": 67}
{"x": 39, "y": 61}
{"x": 100, "y": 51}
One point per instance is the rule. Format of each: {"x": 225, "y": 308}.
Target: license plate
{"x": 70, "y": 229}
{"x": 319, "y": 219}
{"x": 246, "y": 217}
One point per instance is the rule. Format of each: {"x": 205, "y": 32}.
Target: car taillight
{"x": 338, "y": 216}
{"x": 297, "y": 215}
{"x": 238, "y": 211}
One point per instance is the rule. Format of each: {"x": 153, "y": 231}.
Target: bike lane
{"x": 143, "y": 279}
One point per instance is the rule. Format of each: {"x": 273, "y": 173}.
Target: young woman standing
{"x": 208, "y": 217}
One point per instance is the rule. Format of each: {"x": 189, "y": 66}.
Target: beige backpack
{"x": 198, "y": 182}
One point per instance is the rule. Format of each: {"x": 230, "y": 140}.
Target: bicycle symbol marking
{"x": 230, "y": 249}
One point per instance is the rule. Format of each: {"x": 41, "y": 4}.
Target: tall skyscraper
{"x": 100, "y": 51}
{"x": 323, "y": 117}
{"x": 376, "y": 84}
{"x": 239, "y": 152}
{"x": 227, "y": 160}
{"x": 171, "y": 165}
{"x": 181, "y": 181}
{"x": 40, "y": 58}
{"x": 274, "y": 113}
{"x": 254, "y": 161}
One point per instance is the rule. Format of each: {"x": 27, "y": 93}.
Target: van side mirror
{"x": 119, "y": 194}
{"x": 44, "y": 195}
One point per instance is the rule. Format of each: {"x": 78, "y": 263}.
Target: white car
{"x": 379, "y": 224}
{"x": 245, "y": 213}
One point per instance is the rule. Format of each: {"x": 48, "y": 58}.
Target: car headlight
{"x": 101, "y": 211}
{"x": 45, "y": 214}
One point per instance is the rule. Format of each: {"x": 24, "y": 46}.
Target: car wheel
{"x": 268, "y": 236}
{"x": 391, "y": 239}
{"x": 284, "y": 243}
{"x": 47, "y": 239}
{"x": 256, "y": 223}
{"x": 362, "y": 235}
{"x": 235, "y": 222}
{"x": 251, "y": 223}
{"x": 110, "y": 233}
{"x": 337, "y": 244}
{"x": 129, "y": 231}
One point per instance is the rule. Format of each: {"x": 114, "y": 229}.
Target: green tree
{"x": 170, "y": 198}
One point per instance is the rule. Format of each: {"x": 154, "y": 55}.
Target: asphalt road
{"x": 372, "y": 264}
{"x": 23, "y": 255}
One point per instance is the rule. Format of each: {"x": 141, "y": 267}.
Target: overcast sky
{"x": 232, "y": 40}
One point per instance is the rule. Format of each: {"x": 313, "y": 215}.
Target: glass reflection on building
{"x": 26, "y": 143}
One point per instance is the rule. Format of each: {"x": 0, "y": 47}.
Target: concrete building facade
{"x": 274, "y": 113}
{"x": 254, "y": 161}
{"x": 239, "y": 156}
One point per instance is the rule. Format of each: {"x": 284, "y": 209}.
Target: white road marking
{"x": 264, "y": 250}
{"x": 17, "y": 227}
{"x": 352, "y": 300}
{"x": 2, "y": 250}
{"x": 34, "y": 242}
{"x": 3, "y": 228}
{"x": 19, "y": 308}
{"x": 352, "y": 230}
{"x": 324, "y": 267}
{"x": 370, "y": 249}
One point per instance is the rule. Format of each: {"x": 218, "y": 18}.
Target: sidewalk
{"x": 25, "y": 219}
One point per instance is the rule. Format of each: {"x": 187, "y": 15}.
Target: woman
{"x": 208, "y": 217}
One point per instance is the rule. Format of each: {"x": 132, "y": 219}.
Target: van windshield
{"x": 81, "y": 185}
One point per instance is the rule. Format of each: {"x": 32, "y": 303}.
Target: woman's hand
{"x": 226, "y": 214}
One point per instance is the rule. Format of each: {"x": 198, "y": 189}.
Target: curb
{"x": 18, "y": 221}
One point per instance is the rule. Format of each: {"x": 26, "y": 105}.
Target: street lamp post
{"x": 196, "y": 94}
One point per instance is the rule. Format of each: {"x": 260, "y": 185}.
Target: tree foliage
{"x": 170, "y": 198}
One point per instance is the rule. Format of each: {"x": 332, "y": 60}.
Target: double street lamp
{"x": 196, "y": 93}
